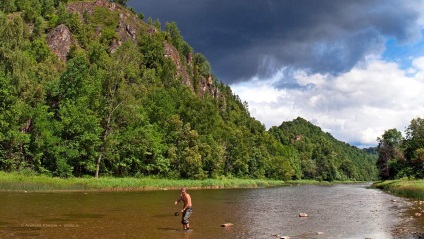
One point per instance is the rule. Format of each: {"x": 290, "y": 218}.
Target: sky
{"x": 355, "y": 68}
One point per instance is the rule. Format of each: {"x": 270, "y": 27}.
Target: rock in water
{"x": 227, "y": 225}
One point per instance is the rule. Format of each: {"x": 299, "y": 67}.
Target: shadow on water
{"x": 26, "y": 229}
{"x": 22, "y": 232}
{"x": 167, "y": 229}
{"x": 164, "y": 215}
{"x": 80, "y": 215}
{"x": 58, "y": 219}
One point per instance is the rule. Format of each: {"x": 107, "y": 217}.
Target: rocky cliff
{"x": 129, "y": 28}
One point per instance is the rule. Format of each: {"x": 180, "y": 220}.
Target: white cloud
{"x": 256, "y": 91}
{"x": 356, "y": 107}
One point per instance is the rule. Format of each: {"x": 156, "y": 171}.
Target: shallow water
{"x": 339, "y": 211}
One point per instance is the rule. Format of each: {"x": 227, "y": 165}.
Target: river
{"x": 338, "y": 211}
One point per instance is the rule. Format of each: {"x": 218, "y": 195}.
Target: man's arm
{"x": 179, "y": 199}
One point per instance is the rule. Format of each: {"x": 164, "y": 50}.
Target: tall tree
{"x": 124, "y": 71}
{"x": 414, "y": 146}
{"x": 389, "y": 154}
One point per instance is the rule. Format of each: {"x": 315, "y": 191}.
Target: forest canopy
{"x": 88, "y": 88}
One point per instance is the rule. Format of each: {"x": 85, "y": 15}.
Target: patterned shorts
{"x": 186, "y": 215}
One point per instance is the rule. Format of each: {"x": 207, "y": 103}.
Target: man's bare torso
{"x": 186, "y": 199}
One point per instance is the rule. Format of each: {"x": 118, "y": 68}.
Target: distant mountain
{"x": 90, "y": 88}
{"x": 322, "y": 155}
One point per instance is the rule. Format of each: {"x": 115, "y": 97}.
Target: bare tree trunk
{"x": 106, "y": 133}
{"x": 99, "y": 159}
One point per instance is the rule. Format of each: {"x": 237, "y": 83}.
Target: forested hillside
{"x": 91, "y": 88}
{"x": 323, "y": 157}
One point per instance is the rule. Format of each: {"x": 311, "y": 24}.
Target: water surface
{"x": 339, "y": 211}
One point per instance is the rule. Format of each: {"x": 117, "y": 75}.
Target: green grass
{"x": 413, "y": 189}
{"x": 315, "y": 182}
{"x": 30, "y": 182}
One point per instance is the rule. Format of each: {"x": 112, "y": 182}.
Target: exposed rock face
{"x": 207, "y": 87}
{"x": 88, "y": 7}
{"x": 128, "y": 29}
{"x": 189, "y": 59}
{"x": 60, "y": 40}
{"x": 171, "y": 51}
{"x": 206, "y": 84}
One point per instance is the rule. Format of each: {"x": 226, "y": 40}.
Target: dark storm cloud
{"x": 244, "y": 38}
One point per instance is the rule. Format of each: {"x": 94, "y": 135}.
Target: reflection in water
{"x": 340, "y": 211}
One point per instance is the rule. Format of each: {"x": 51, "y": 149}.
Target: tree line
{"x": 128, "y": 113}
{"x": 402, "y": 156}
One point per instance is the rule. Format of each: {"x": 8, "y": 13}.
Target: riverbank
{"x": 42, "y": 183}
{"x": 413, "y": 189}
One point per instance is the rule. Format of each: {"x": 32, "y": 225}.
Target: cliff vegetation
{"x": 89, "y": 88}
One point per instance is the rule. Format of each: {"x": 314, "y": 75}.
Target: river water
{"x": 337, "y": 211}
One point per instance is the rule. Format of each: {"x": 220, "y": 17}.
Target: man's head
{"x": 183, "y": 190}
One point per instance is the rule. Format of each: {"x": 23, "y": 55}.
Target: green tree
{"x": 418, "y": 163}
{"x": 414, "y": 138}
{"x": 47, "y": 8}
{"x": 176, "y": 39}
{"x": 58, "y": 2}
{"x": 202, "y": 65}
{"x": 45, "y": 142}
{"x": 120, "y": 89}
{"x": 348, "y": 169}
{"x": 80, "y": 125}
{"x": 155, "y": 23}
{"x": 140, "y": 15}
{"x": 212, "y": 157}
{"x": 7, "y": 6}
{"x": 413, "y": 145}
{"x": 390, "y": 157}
{"x": 152, "y": 49}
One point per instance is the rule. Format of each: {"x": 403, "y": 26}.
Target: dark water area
{"x": 338, "y": 211}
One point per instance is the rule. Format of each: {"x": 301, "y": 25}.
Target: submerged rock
{"x": 227, "y": 225}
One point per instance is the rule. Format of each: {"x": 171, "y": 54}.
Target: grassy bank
{"x": 413, "y": 189}
{"x": 25, "y": 182}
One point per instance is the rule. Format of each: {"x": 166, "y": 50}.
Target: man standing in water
{"x": 187, "y": 209}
